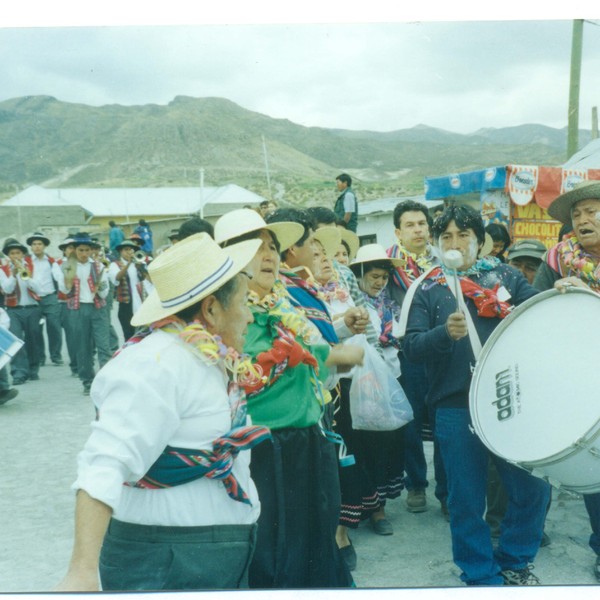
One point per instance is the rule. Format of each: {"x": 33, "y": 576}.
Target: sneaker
{"x": 6, "y": 395}
{"x": 416, "y": 501}
{"x": 520, "y": 576}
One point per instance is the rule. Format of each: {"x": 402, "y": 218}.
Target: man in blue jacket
{"x": 437, "y": 335}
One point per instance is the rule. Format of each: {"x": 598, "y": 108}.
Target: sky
{"x": 380, "y": 69}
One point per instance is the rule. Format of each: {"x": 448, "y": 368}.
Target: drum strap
{"x": 473, "y": 336}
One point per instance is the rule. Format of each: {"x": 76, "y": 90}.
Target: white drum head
{"x": 536, "y": 387}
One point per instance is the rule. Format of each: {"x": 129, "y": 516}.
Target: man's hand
{"x": 456, "y": 326}
{"x": 563, "y": 284}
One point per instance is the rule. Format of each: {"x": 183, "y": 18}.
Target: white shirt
{"x": 133, "y": 275}
{"x": 153, "y": 394}
{"x": 45, "y": 274}
{"x": 83, "y": 273}
{"x": 8, "y": 285}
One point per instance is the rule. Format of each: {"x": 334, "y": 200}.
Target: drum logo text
{"x": 504, "y": 395}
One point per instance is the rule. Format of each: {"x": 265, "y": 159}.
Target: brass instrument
{"x": 141, "y": 257}
{"x": 20, "y": 270}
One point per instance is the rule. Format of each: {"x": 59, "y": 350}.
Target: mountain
{"x": 49, "y": 142}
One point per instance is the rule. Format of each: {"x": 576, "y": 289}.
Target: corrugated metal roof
{"x": 108, "y": 202}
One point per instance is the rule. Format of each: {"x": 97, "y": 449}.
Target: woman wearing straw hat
{"x": 297, "y": 475}
{"x": 171, "y": 422}
{"x": 380, "y": 451}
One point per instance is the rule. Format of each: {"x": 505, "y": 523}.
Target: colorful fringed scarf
{"x": 486, "y": 300}
{"x": 387, "y": 311}
{"x": 311, "y": 300}
{"x": 415, "y": 265}
{"x": 568, "y": 258}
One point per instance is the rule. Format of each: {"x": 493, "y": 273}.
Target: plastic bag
{"x": 377, "y": 400}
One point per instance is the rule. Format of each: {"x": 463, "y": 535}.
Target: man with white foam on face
{"x": 437, "y": 334}
{"x": 575, "y": 261}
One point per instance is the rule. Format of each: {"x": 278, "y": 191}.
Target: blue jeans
{"x": 466, "y": 463}
{"x": 414, "y": 382}
{"x": 592, "y": 505}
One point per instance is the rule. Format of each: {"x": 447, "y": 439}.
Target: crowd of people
{"x": 243, "y": 340}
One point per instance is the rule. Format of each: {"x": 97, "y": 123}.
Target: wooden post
{"x": 573, "y": 130}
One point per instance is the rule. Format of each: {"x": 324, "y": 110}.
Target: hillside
{"x": 48, "y": 142}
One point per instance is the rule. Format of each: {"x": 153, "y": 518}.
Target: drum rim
{"x": 517, "y": 311}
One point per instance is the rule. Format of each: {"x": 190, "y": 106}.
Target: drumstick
{"x": 454, "y": 259}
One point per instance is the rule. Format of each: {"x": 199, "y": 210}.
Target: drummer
{"x": 575, "y": 261}
{"x": 436, "y": 334}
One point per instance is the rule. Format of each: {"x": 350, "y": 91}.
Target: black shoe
{"x": 445, "y": 511}
{"x": 6, "y": 395}
{"x": 19, "y": 381}
{"x": 349, "y": 555}
{"x": 597, "y": 568}
{"x": 34, "y": 377}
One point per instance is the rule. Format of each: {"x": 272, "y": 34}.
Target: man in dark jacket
{"x": 437, "y": 334}
{"x": 346, "y": 206}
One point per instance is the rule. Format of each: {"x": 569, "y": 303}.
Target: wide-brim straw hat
{"x": 352, "y": 240}
{"x": 374, "y": 253}
{"x": 66, "y": 242}
{"x": 38, "y": 236}
{"x": 488, "y": 246}
{"x": 190, "y": 271}
{"x": 245, "y": 220}
{"x": 330, "y": 238}
{"x": 560, "y": 209}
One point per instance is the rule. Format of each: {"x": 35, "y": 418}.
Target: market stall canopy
{"x": 523, "y": 183}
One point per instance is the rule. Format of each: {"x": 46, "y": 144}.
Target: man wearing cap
{"x": 22, "y": 305}
{"x": 575, "y": 261}
{"x": 86, "y": 286}
{"x": 437, "y": 334}
{"x": 412, "y": 227}
{"x": 48, "y": 276}
{"x": 172, "y": 426}
{"x": 526, "y": 256}
{"x": 131, "y": 282}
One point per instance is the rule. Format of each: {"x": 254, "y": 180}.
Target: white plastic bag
{"x": 377, "y": 400}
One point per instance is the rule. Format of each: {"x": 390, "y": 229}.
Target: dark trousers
{"x": 51, "y": 311}
{"x": 69, "y": 336}
{"x": 25, "y": 324}
{"x": 592, "y": 505}
{"x": 125, "y": 313}
{"x": 90, "y": 327}
{"x": 145, "y": 557}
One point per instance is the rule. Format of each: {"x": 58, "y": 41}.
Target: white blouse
{"x": 153, "y": 394}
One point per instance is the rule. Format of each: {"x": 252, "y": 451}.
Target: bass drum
{"x": 535, "y": 393}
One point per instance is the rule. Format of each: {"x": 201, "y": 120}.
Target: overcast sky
{"x": 455, "y": 75}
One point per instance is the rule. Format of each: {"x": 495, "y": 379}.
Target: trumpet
{"x": 141, "y": 258}
{"x": 21, "y": 270}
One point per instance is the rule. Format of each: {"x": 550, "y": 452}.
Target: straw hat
{"x": 560, "y": 209}
{"x": 245, "y": 220}
{"x": 352, "y": 240}
{"x": 65, "y": 243}
{"x": 488, "y": 246}
{"x": 375, "y": 253}
{"x": 189, "y": 271}
{"x": 330, "y": 238}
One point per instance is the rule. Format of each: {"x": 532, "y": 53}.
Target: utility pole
{"x": 576, "y": 47}
{"x": 267, "y": 166}
{"x": 594, "y": 122}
